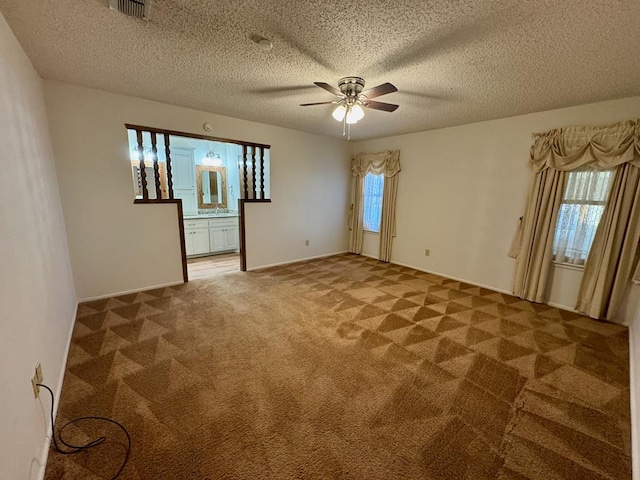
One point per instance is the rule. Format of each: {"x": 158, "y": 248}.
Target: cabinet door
{"x": 196, "y": 241}
{"x": 188, "y": 242}
{"x": 182, "y": 168}
{"x": 231, "y": 238}
{"x": 217, "y": 239}
{"x": 200, "y": 241}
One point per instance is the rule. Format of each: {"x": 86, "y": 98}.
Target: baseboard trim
{"x": 481, "y": 285}
{"x": 288, "y": 262}
{"x": 633, "y": 394}
{"x": 126, "y": 292}
{"x": 488, "y": 287}
{"x": 562, "y": 307}
{"x": 44, "y": 456}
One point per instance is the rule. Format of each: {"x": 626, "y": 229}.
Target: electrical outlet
{"x": 37, "y": 378}
{"x": 427, "y": 252}
{"x": 306, "y": 242}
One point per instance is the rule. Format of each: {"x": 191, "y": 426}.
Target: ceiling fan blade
{"x": 328, "y": 88}
{"x": 315, "y": 103}
{"x": 387, "y": 107}
{"x": 380, "y": 90}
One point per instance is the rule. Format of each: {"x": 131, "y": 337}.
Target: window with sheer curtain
{"x": 373, "y": 189}
{"x": 582, "y": 205}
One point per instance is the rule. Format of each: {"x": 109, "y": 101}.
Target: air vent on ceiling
{"x": 133, "y": 8}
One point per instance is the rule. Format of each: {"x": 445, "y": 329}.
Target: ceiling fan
{"x": 352, "y": 99}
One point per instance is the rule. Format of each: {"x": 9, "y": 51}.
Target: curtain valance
{"x": 599, "y": 147}
{"x": 386, "y": 163}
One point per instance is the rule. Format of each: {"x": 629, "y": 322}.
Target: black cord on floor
{"x": 93, "y": 443}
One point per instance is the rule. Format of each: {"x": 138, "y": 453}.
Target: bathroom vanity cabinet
{"x": 204, "y": 236}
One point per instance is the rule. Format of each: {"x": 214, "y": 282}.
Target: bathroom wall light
{"x": 148, "y": 155}
{"x": 212, "y": 159}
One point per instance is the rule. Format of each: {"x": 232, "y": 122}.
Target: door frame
{"x": 178, "y": 202}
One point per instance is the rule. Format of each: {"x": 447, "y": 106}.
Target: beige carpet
{"x": 345, "y": 368}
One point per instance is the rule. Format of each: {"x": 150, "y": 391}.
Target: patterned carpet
{"x": 346, "y": 368}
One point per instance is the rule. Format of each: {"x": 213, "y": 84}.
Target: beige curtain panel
{"x": 610, "y": 263}
{"x": 357, "y": 227}
{"x": 611, "y": 259}
{"x": 536, "y": 235}
{"x": 385, "y": 163}
{"x": 388, "y": 220}
{"x": 514, "y": 249}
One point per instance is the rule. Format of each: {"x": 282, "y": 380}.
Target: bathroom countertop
{"x": 209, "y": 215}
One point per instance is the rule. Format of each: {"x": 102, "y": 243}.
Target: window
{"x": 582, "y": 205}
{"x": 373, "y": 186}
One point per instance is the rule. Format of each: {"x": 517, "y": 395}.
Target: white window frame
{"x": 603, "y": 203}
{"x": 365, "y": 203}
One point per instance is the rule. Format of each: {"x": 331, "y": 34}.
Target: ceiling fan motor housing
{"x": 351, "y": 86}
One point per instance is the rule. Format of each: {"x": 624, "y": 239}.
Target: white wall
{"x": 634, "y": 344}
{"x": 462, "y": 190}
{"x": 310, "y": 186}
{"x": 37, "y": 298}
{"x": 563, "y": 285}
{"x": 629, "y": 314}
{"x": 116, "y": 246}
{"x": 371, "y": 244}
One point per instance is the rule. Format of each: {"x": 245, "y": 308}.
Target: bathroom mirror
{"x": 212, "y": 186}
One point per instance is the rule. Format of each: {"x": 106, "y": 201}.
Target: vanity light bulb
{"x": 212, "y": 162}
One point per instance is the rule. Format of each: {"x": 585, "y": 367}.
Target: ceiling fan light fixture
{"x": 339, "y": 113}
{"x": 354, "y": 114}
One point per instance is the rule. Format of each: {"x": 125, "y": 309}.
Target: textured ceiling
{"x": 454, "y": 62}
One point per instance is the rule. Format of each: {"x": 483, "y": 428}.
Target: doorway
{"x": 213, "y": 266}
{"x": 209, "y": 179}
